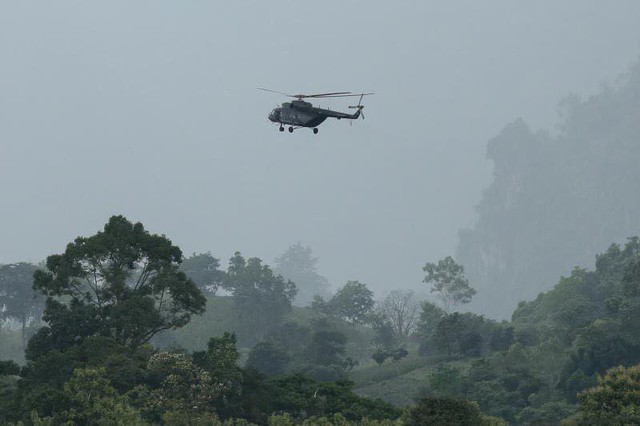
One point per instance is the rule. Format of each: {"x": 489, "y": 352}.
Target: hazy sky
{"x": 150, "y": 109}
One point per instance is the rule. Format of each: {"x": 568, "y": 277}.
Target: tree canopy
{"x": 353, "y": 302}
{"x": 17, "y": 299}
{"x": 448, "y": 282}
{"x": 122, "y": 282}
{"x": 203, "y": 270}
{"x": 297, "y": 264}
{"x": 261, "y": 298}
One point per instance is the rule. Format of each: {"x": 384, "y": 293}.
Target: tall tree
{"x": 261, "y": 298}
{"x": 298, "y": 265}
{"x": 122, "y": 282}
{"x": 353, "y": 302}
{"x": 17, "y": 299}
{"x": 448, "y": 282}
{"x": 203, "y": 270}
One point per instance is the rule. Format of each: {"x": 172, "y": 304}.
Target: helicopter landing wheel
{"x": 315, "y": 130}
{"x": 281, "y": 129}
{"x": 290, "y": 129}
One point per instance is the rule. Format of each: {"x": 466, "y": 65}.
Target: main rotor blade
{"x": 325, "y": 95}
{"x": 273, "y": 91}
{"x": 347, "y": 96}
{"x": 318, "y": 95}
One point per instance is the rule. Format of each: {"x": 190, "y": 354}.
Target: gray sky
{"x": 150, "y": 109}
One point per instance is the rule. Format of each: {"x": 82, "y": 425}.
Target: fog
{"x": 150, "y": 109}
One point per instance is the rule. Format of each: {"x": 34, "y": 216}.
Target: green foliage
{"x": 268, "y": 358}
{"x": 353, "y": 302}
{"x": 381, "y": 355}
{"x": 177, "y": 385}
{"x": 42, "y": 382}
{"x": 616, "y": 399}
{"x": 459, "y": 334}
{"x": 546, "y": 414}
{"x": 218, "y": 318}
{"x": 261, "y": 298}
{"x": 9, "y": 368}
{"x": 446, "y": 380}
{"x": 502, "y": 337}
{"x": 220, "y": 362}
{"x": 92, "y": 400}
{"x": 122, "y": 282}
{"x": 178, "y": 418}
{"x": 203, "y": 270}
{"x": 444, "y": 411}
{"x": 384, "y": 336}
{"x": 280, "y": 420}
{"x": 299, "y": 266}
{"x": 303, "y": 397}
{"x": 18, "y": 301}
{"x": 430, "y": 316}
{"x": 448, "y": 282}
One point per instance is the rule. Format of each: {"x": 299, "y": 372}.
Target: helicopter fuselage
{"x": 299, "y": 113}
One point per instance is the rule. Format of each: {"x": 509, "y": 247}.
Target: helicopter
{"x": 300, "y": 113}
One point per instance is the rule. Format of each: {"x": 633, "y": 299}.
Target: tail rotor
{"x": 359, "y": 107}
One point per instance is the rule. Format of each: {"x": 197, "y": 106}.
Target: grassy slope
{"x": 397, "y": 382}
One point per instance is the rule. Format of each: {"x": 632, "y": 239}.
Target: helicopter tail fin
{"x": 359, "y": 107}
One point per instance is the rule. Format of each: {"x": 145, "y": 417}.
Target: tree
{"x": 353, "y": 302}
{"x": 303, "y": 397}
{"x": 327, "y": 347}
{"x": 203, "y": 270}
{"x": 444, "y": 411}
{"x": 448, "y": 282}
{"x": 17, "y": 298}
{"x": 92, "y": 400}
{"x": 220, "y": 361}
{"x": 261, "y": 298}
{"x": 269, "y": 358}
{"x": 400, "y": 308}
{"x": 176, "y": 385}
{"x": 463, "y": 334}
{"x": 430, "y": 316}
{"x": 616, "y": 399}
{"x": 9, "y": 368}
{"x": 298, "y": 265}
{"x": 384, "y": 335}
{"x": 122, "y": 282}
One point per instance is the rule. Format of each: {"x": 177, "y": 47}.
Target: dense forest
{"x": 122, "y": 328}
{"x": 131, "y": 332}
{"x": 555, "y": 201}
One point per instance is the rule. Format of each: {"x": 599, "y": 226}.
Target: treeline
{"x": 109, "y": 296}
{"x": 555, "y": 201}
{"x": 549, "y": 362}
{"x": 114, "y": 306}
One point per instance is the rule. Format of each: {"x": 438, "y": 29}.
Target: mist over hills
{"x": 555, "y": 200}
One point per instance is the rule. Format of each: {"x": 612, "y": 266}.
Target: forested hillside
{"x": 132, "y": 333}
{"x": 555, "y": 200}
